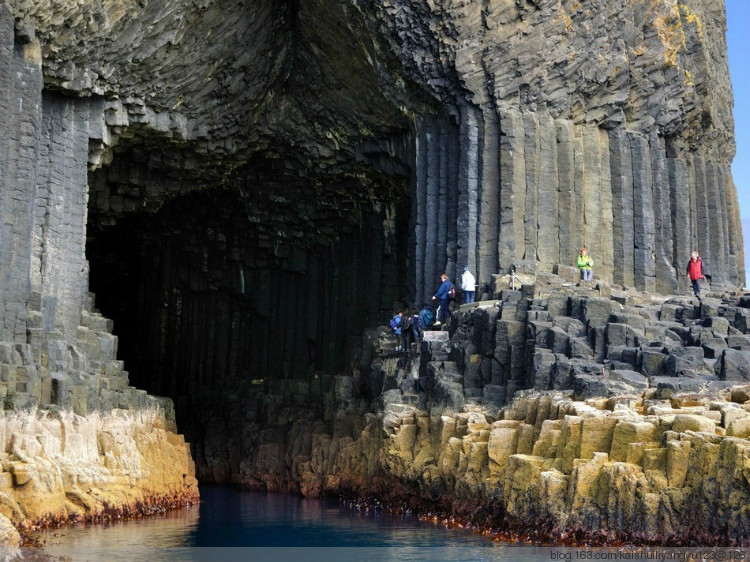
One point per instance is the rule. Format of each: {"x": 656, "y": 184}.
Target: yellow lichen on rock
{"x": 58, "y": 466}
{"x": 581, "y": 465}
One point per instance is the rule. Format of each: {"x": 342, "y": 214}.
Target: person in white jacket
{"x": 468, "y": 285}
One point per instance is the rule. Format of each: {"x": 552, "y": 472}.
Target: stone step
{"x": 435, "y": 336}
{"x": 96, "y": 322}
{"x": 114, "y": 368}
{"x": 88, "y": 302}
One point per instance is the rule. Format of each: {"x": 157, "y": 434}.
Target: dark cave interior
{"x": 229, "y": 291}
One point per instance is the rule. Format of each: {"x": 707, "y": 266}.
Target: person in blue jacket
{"x": 444, "y": 294}
{"x": 397, "y": 325}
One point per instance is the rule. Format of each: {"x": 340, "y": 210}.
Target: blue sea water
{"x": 230, "y": 524}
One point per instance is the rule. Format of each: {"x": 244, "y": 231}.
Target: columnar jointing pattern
{"x": 43, "y": 199}
{"x": 53, "y": 348}
{"x": 59, "y": 271}
{"x": 43, "y": 196}
{"x": 530, "y": 187}
{"x": 20, "y": 116}
{"x": 436, "y": 200}
{"x": 213, "y": 292}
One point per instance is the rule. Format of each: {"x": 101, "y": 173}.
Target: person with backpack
{"x": 416, "y": 331}
{"x": 426, "y": 317}
{"x": 444, "y": 294}
{"x": 397, "y": 325}
{"x": 409, "y": 330}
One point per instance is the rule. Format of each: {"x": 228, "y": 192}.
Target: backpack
{"x": 452, "y": 292}
{"x": 426, "y": 318}
{"x": 395, "y": 322}
{"x": 413, "y": 321}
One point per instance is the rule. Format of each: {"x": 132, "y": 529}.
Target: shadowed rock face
{"x": 230, "y": 169}
{"x": 528, "y": 128}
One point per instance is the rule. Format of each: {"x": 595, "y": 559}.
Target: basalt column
{"x": 530, "y": 187}
{"x": 606, "y": 124}
{"x": 20, "y": 120}
{"x": 225, "y": 292}
{"x": 438, "y": 200}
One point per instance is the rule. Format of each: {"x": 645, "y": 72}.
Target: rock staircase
{"x": 47, "y": 371}
{"x": 553, "y": 333}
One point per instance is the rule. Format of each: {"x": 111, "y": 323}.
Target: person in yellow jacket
{"x": 584, "y": 264}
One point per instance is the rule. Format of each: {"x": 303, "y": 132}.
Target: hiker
{"x": 444, "y": 294}
{"x": 426, "y": 317}
{"x": 695, "y": 272}
{"x": 468, "y": 285}
{"x": 397, "y": 325}
{"x": 410, "y": 330}
{"x": 584, "y": 264}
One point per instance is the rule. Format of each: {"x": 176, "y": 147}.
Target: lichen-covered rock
{"x": 9, "y": 536}
{"x": 521, "y": 131}
{"x": 629, "y": 470}
{"x": 65, "y": 467}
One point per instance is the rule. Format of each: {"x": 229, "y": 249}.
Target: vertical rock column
{"x": 20, "y": 118}
{"x": 735, "y": 240}
{"x": 59, "y": 270}
{"x": 548, "y": 204}
{"x": 680, "y": 197}
{"x": 597, "y": 200}
{"x": 717, "y": 221}
{"x": 622, "y": 207}
{"x": 566, "y": 207}
{"x": 643, "y": 215}
{"x": 432, "y": 205}
{"x": 419, "y": 215}
{"x": 701, "y": 234}
{"x": 439, "y": 200}
{"x": 534, "y": 188}
{"x": 487, "y": 260}
{"x": 512, "y": 188}
{"x": 666, "y": 278}
{"x": 532, "y": 155}
{"x": 469, "y": 178}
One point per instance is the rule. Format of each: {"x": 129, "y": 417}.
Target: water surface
{"x": 231, "y": 524}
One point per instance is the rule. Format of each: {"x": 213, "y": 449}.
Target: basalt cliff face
{"x": 638, "y": 413}
{"x": 234, "y": 179}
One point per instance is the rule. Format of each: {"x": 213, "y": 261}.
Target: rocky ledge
{"x": 607, "y": 469}
{"x": 60, "y": 467}
{"x": 586, "y": 412}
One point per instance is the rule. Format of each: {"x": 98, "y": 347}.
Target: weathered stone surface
{"x": 653, "y": 362}
{"x": 209, "y": 181}
{"x": 64, "y": 464}
{"x": 627, "y": 433}
{"x": 733, "y": 365}
{"x": 631, "y": 378}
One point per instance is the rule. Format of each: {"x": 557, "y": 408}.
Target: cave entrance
{"x": 222, "y": 296}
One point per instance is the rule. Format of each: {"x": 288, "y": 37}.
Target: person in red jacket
{"x": 695, "y": 272}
